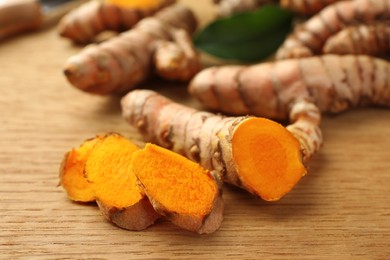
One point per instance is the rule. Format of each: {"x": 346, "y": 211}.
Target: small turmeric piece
{"x": 119, "y": 64}
{"x": 103, "y": 169}
{"x": 256, "y": 154}
{"x": 82, "y": 24}
{"x": 179, "y": 189}
{"x": 372, "y": 39}
{"x": 309, "y": 38}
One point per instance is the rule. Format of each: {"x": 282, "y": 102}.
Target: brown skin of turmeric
{"x": 309, "y": 38}
{"x": 179, "y": 189}
{"x": 241, "y": 150}
{"x": 121, "y": 63}
{"x": 372, "y": 39}
{"x": 82, "y": 24}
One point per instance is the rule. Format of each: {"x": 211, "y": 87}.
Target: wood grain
{"x": 340, "y": 210}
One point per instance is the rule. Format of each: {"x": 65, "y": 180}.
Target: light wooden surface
{"x": 340, "y": 210}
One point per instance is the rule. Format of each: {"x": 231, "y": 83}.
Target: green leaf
{"x": 247, "y": 37}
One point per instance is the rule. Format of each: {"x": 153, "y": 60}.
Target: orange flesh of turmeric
{"x": 109, "y": 170}
{"x": 268, "y": 157}
{"x": 72, "y": 176}
{"x": 180, "y": 185}
{"x": 141, "y": 4}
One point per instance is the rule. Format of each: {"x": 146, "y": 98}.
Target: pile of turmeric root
{"x": 333, "y": 61}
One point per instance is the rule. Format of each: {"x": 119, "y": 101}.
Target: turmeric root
{"x": 119, "y": 64}
{"x": 309, "y": 38}
{"x": 303, "y": 7}
{"x": 298, "y": 89}
{"x": 333, "y": 83}
{"x": 256, "y": 154}
{"x": 85, "y": 22}
{"x": 364, "y": 39}
{"x": 180, "y": 189}
{"x": 103, "y": 169}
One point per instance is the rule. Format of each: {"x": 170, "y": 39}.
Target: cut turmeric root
{"x": 180, "y": 189}
{"x": 85, "y": 22}
{"x": 103, "y": 169}
{"x": 256, "y": 154}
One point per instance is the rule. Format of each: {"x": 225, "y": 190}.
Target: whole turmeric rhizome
{"x": 134, "y": 187}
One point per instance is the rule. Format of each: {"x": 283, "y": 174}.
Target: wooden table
{"x": 340, "y": 210}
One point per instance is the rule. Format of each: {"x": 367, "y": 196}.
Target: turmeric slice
{"x": 108, "y": 169}
{"x": 278, "y": 157}
{"x": 178, "y": 188}
{"x": 256, "y": 154}
{"x": 72, "y": 175}
{"x": 85, "y": 22}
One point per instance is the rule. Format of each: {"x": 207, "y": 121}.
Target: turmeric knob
{"x": 180, "y": 189}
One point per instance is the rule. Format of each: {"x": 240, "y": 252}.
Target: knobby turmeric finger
{"x": 108, "y": 169}
{"x": 85, "y": 22}
{"x": 178, "y": 188}
{"x": 333, "y": 83}
{"x": 119, "y": 64}
{"x": 256, "y": 154}
{"x": 372, "y": 39}
{"x": 309, "y": 38}
{"x": 72, "y": 176}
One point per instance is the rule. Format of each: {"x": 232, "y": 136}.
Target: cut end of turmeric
{"x": 268, "y": 158}
{"x": 179, "y": 188}
{"x": 72, "y": 177}
{"x": 109, "y": 170}
{"x": 137, "y": 4}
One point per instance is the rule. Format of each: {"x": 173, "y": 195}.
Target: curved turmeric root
{"x": 85, "y": 22}
{"x": 303, "y": 7}
{"x": 333, "y": 83}
{"x": 180, "y": 189}
{"x": 256, "y": 154}
{"x": 119, "y": 64}
{"x": 370, "y": 39}
{"x": 309, "y": 38}
{"x": 103, "y": 169}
